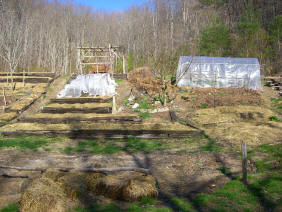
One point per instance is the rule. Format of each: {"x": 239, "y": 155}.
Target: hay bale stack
{"x": 44, "y": 195}
{"x": 128, "y": 187}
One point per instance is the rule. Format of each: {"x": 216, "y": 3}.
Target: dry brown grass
{"x": 96, "y": 126}
{"x": 252, "y": 133}
{"x": 231, "y": 114}
{"x": 7, "y": 116}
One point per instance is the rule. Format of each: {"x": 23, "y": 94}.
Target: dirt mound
{"x": 205, "y": 97}
{"x": 144, "y": 81}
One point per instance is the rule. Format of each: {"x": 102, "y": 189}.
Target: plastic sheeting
{"x": 91, "y": 84}
{"x": 219, "y": 72}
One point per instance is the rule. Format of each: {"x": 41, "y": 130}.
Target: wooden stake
{"x": 23, "y": 77}
{"x": 114, "y": 109}
{"x": 4, "y": 96}
{"x": 244, "y": 163}
{"x": 123, "y": 64}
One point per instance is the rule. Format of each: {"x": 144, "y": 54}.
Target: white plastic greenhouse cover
{"x": 91, "y": 84}
{"x": 219, "y": 72}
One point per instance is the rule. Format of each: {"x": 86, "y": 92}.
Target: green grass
{"x": 27, "y": 142}
{"x": 203, "y": 106}
{"x": 135, "y": 207}
{"x": 10, "y": 208}
{"x": 119, "y": 80}
{"x": 211, "y": 145}
{"x": 274, "y": 118}
{"x": 126, "y": 102}
{"x": 148, "y": 201}
{"x": 144, "y": 115}
{"x": 264, "y": 189}
{"x": 277, "y": 105}
{"x": 182, "y": 204}
{"x": 131, "y": 145}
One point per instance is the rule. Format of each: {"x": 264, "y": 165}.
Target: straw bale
{"x": 73, "y": 184}
{"x": 44, "y": 195}
{"x": 92, "y": 179}
{"x": 109, "y": 186}
{"x": 139, "y": 187}
{"x": 126, "y": 186}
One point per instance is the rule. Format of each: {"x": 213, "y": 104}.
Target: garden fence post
{"x": 244, "y": 163}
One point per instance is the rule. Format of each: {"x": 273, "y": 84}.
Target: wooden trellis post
{"x": 101, "y": 58}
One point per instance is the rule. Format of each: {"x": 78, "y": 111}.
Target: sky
{"x": 109, "y": 5}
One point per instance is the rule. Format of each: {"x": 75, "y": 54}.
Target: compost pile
{"x": 145, "y": 81}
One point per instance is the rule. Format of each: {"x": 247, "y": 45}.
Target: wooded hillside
{"x": 37, "y": 35}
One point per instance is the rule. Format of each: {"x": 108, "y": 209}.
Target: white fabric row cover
{"x": 219, "y": 72}
{"x": 91, "y": 84}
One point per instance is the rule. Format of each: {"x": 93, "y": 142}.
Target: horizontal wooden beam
{"x": 67, "y": 169}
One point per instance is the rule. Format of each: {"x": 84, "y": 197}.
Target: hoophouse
{"x": 218, "y": 72}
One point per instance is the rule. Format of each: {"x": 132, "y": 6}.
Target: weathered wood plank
{"x": 30, "y": 74}
{"x": 81, "y": 100}
{"x": 28, "y": 79}
{"x": 49, "y": 109}
{"x": 67, "y": 120}
{"x": 67, "y": 169}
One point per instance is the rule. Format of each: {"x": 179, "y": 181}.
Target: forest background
{"x": 39, "y": 35}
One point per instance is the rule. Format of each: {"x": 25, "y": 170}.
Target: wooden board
{"x": 31, "y": 74}
{"x": 82, "y": 100}
{"x": 67, "y": 120}
{"x": 102, "y": 109}
{"x": 28, "y": 79}
{"x": 120, "y": 76}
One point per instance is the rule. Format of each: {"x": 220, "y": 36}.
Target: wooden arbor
{"x": 99, "y": 59}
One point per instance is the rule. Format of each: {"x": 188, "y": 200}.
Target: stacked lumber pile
{"x": 275, "y": 83}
